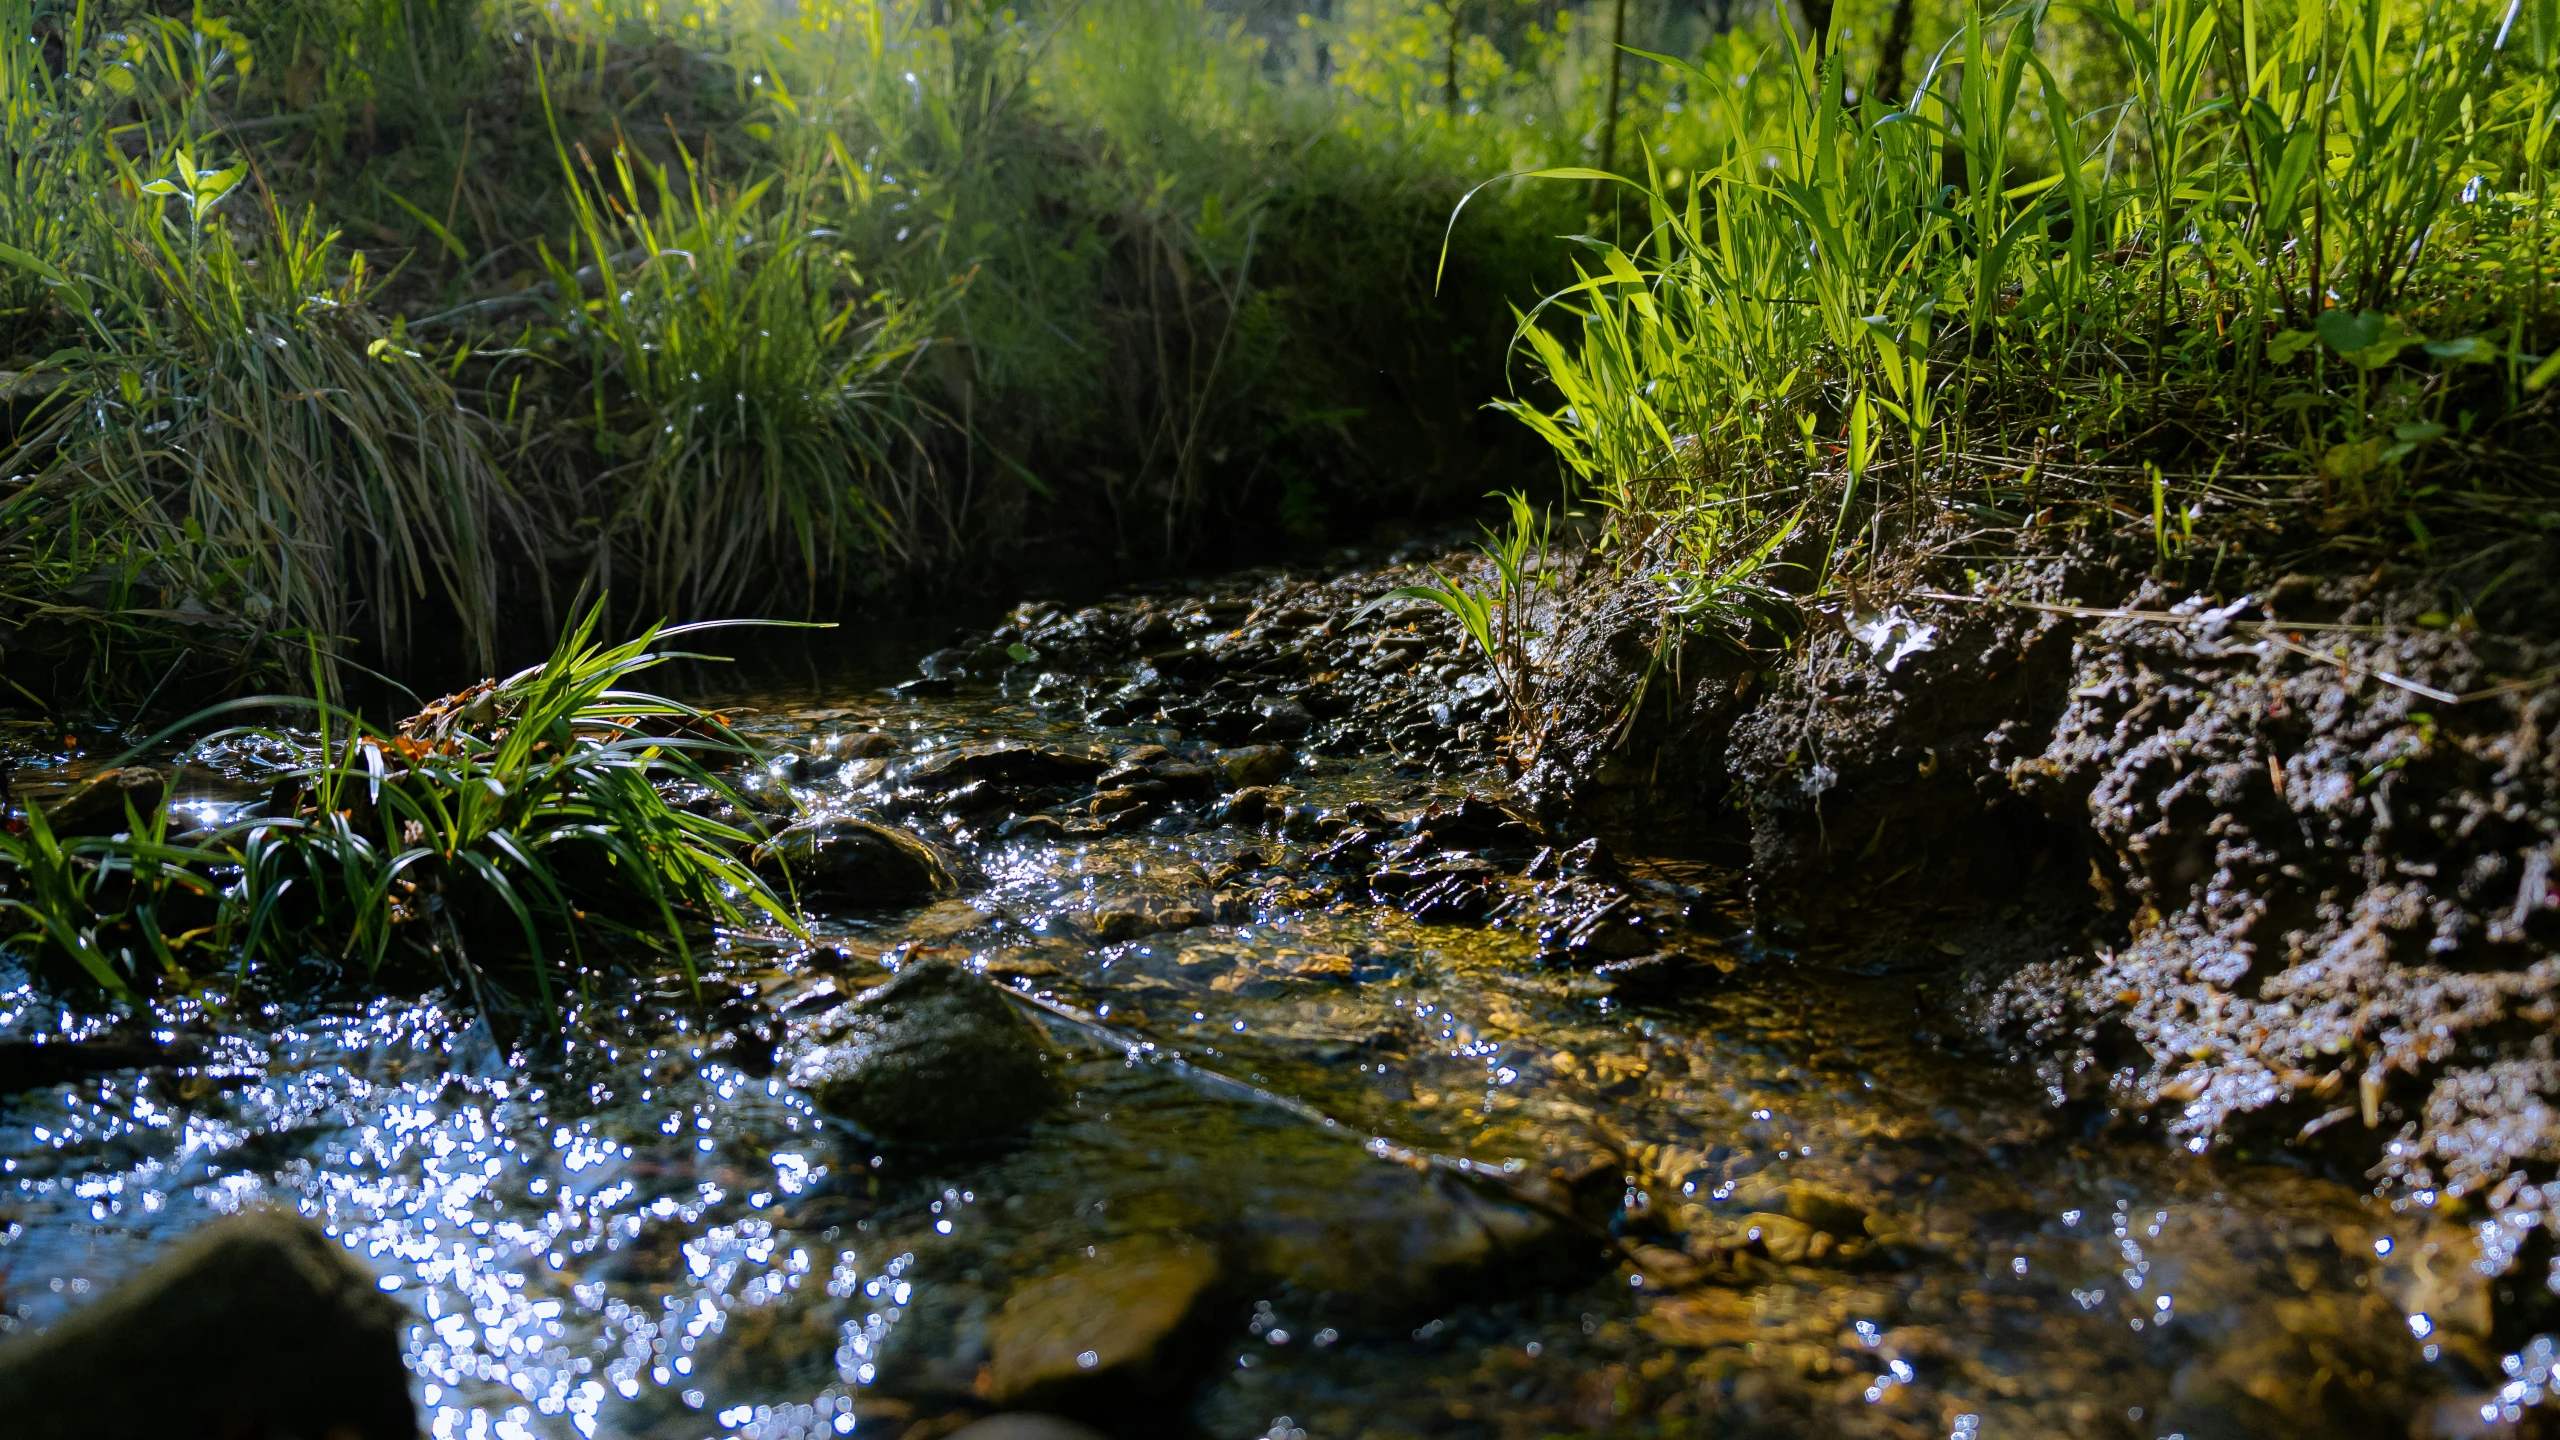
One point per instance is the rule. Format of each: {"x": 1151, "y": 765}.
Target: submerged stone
{"x": 934, "y": 1057}
{"x": 1115, "y": 918}
{"x": 108, "y": 802}
{"x": 839, "y": 857}
{"x": 256, "y": 1325}
{"x": 1121, "y": 1331}
{"x": 1401, "y": 1238}
{"x": 1250, "y": 765}
{"x": 1007, "y": 761}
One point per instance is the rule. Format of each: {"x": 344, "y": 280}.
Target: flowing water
{"x": 645, "y": 1232}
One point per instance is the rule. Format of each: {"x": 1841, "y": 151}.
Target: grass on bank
{"x": 2261, "y": 279}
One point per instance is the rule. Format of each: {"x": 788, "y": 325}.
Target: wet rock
{"x": 1652, "y": 977}
{"x": 256, "y": 1325}
{"x": 861, "y": 745}
{"x": 1115, "y": 918}
{"x": 1660, "y": 1268}
{"x": 1286, "y": 718}
{"x": 1025, "y": 1425}
{"x": 1252, "y": 805}
{"x": 99, "y": 804}
{"x": 1007, "y": 762}
{"x": 1782, "y": 1238}
{"x": 1460, "y": 898}
{"x": 1615, "y": 929}
{"x": 1183, "y": 779}
{"x": 1122, "y": 1332}
{"x": 1406, "y": 1237}
{"x": 1033, "y": 827}
{"x": 1806, "y": 1203}
{"x": 842, "y": 858}
{"x": 1250, "y": 765}
{"x": 934, "y": 1057}
{"x": 1469, "y": 823}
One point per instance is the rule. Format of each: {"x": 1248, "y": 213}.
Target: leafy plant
{"x": 1501, "y": 618}
{"x": 493, "y": 833}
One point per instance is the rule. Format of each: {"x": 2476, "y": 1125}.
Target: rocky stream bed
{"x": 1209, "y": 1034}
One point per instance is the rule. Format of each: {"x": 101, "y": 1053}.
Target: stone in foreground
{"x": 933, "y": 1057}
{"x": 255, "y": 1325}
{"x": 1120, "y": 1333}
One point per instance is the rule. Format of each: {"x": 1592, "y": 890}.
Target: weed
{"x": 486, "y": 837}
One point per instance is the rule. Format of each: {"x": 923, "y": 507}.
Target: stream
{"x": 1822, "y": 1218}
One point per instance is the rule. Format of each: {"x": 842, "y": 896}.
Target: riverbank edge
{"x": 2264, "y": 865}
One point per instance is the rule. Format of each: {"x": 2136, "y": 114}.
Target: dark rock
{"x": 929, "y": 686}
{"x": 863, "y": 745}
{"x": 1251, "y": 806}
{"x": 1184, "y": 779}
{"x": 1251, "y": 765}
{"x": 1453, "y": 899}
{"x": 1124, "y": 799}
{"x": 1406, "y": 1236}
{"x": 1283, "y": 719}
{"x": 98, "y": 805}
{"x": 1470, "y": 823}
{"x": 1614, "y": 930}
{"x": 975, "y": 798}
{"x": 1123, "y": 1332}
{"x": 1591, "y": 857}
{"x": 1353, "y": 846}
{"x": 936, "y": 1056}
{"x": 1032, "y": 827}
{"x": 1657, "y": 976}
{"x": 840, "y": 857}
{"x": 1126, "y": 917}
{"x": 1010, "y": 762}
{"x": 256, "y": 1325}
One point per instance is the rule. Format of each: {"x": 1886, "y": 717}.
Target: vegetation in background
{"x": 385, "y": 325}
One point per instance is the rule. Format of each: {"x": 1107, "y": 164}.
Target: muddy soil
{"x": 2265, "y": 865}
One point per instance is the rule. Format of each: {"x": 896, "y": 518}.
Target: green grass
{"x": 492, "y": 839}
{"x": 388, "y": 325}
{"x": 2276, "y": 277}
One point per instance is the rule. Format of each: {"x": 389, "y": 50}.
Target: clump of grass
{"x": 2307, "y": 244}
{"x": 230, "y": 444}
{"x": 747, "y": 388}
{"x": 491, "y": 838}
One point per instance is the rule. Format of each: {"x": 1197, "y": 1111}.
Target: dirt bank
{"x": 2263, "y": 863}
{"x": 2267, "y": 865}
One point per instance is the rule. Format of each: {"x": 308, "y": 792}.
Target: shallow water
{"x": 646, "y": 1233}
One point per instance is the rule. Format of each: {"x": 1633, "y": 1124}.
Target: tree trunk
{"x": 1609, "y": 123}
{"x": 1897, "y": 42}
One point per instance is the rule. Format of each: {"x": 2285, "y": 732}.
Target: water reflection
{"x": 1830, "y": 1222}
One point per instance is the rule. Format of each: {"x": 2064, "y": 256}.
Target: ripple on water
{"x": 1830, "y": 1224}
